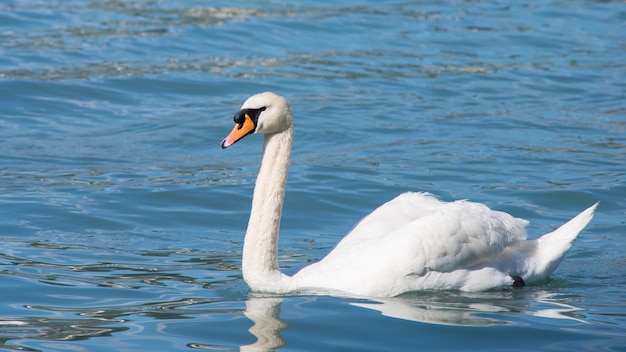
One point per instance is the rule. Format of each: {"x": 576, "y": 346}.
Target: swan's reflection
{"x": 471, "y": 309}
{"x": 454, "y": 309}
{"x": 406, "y": 309}
{"x": 265, "y": 314}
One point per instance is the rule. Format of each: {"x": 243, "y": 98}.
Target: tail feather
{"x": 552, "y": 247}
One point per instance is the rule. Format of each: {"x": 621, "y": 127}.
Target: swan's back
{"x": 451, "y": 224}
{"x": 413, "y": 236}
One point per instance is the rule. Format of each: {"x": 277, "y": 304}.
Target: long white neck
{"x": 260, "y": 247}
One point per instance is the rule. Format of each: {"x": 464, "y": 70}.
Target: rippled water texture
{"x": 122, "y": 220}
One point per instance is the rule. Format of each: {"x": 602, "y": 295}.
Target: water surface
{"x": 122, "y": 220}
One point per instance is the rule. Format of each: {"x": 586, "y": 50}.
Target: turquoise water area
{"x": 122, "y": 219}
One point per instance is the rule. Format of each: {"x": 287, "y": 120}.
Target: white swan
{"x": 413, "y": 242}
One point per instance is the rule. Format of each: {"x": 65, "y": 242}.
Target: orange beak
{"x": 241, "y": 130}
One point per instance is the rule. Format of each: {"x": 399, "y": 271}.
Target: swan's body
{"x": 413, "y": 242}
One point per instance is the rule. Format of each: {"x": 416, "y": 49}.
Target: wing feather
{"x": 416, "y": 233}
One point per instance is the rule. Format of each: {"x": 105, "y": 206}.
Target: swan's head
{"x": 264, "y": 113}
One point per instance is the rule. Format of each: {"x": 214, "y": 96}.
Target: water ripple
{"x": 122, "y": 219}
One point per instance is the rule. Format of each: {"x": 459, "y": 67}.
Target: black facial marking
{"x": 240, "y": 116}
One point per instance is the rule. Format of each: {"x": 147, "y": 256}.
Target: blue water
{"x": 122, "y": 219}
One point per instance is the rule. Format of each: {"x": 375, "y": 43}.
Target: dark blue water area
{"x": 122, "y": 219}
